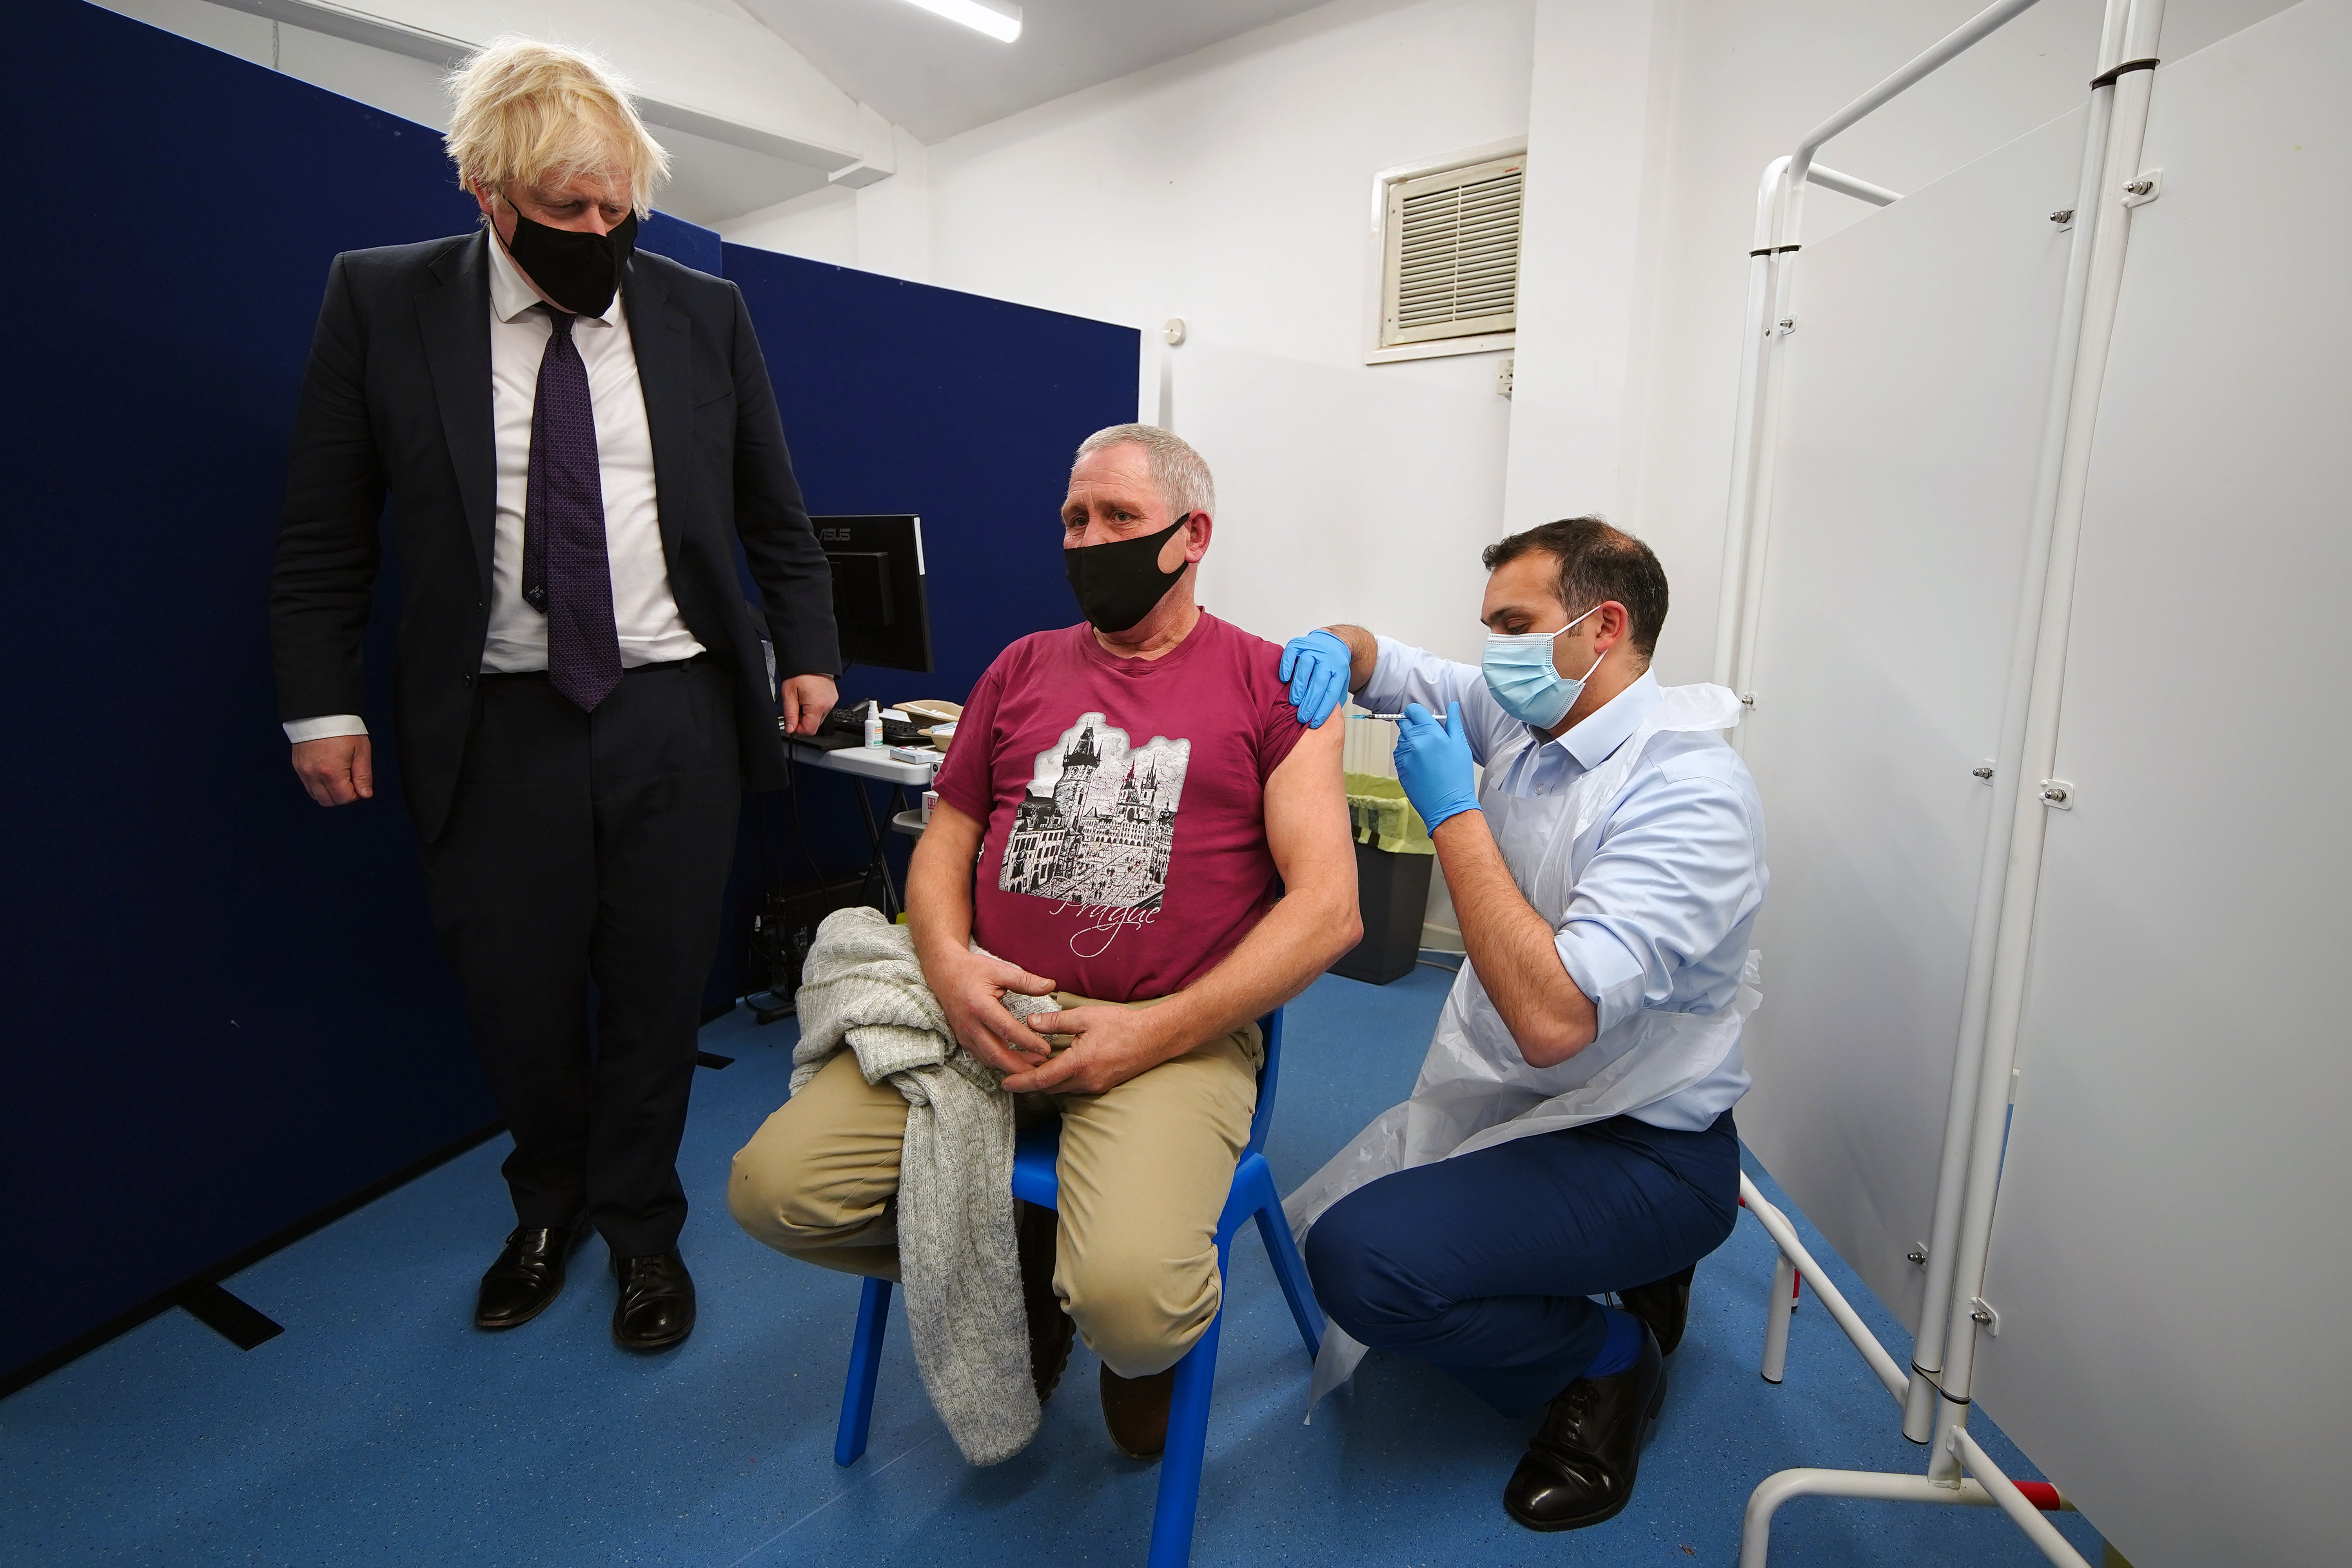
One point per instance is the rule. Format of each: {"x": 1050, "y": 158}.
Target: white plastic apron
{"x": 1476, "y": 1090}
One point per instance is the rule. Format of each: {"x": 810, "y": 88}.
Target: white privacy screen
{"x": 2172, "y": 1250}
{"x": 1920, "y": 369}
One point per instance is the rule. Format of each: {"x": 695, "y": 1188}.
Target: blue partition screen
{"x": 226, "y": 1011}
{"x": 226, "y": 1008}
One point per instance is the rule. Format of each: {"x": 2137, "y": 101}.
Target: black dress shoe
{"x": 528, "y": 1275}
{"x": 1580, "y": 1469}
{"x": 1664, "y": 1305}
{"x": 657, "y": 1306}
{"x": 1035, "y": 1228}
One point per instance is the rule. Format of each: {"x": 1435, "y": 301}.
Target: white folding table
{"x": 873, "y": 763}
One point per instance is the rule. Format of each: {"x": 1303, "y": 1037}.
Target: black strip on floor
{"x": 123, "y": 1322}
{"x": 712, "y": 1060}
{"x": 232, "y": 1320}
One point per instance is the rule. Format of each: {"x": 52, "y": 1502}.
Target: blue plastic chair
{"x": 1253, "y": 1196}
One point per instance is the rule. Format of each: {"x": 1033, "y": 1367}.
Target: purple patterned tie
{"x": 566, "y": 576}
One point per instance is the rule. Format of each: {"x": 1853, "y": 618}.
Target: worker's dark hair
{"x": 1597, "y": 563}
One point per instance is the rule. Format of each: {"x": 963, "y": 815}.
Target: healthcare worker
{"x": 1570, "y": 1134}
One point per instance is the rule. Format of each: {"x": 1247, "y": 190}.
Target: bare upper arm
{"x": 1306, "y": 816}
{"x": 951, "y": 833}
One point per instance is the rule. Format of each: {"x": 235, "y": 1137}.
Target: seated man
{"x": 1163, "y": 847}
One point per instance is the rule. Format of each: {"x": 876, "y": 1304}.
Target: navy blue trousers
{"x": 1484, "y": 1265}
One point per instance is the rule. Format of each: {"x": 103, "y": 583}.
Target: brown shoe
{"x": 1135, "y": 1409}
{"x": 1035, "y": 1228}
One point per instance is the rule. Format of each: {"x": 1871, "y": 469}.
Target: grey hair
{"x": 1177, "y": 471}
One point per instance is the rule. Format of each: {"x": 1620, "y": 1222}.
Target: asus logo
{"x": 834, "y": 535}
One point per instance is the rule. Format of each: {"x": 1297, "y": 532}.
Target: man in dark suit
{"x": 574, "y": 436}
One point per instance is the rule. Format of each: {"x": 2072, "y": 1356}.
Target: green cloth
{"x": 1381, "y": 815}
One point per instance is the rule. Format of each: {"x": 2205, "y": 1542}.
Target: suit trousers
{"x": 1144, "y": 1169}
{"x": 585, "y": 859}
{"x": 1484, "y": 1265}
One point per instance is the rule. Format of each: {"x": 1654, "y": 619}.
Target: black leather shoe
{"x": 1664, "y": 1305}
{"x": 528, "y": 1275}
{"x": 1034, "y": 1226}
{"x": 1580, "y": 1469}
{"x": 657, "y": 1306}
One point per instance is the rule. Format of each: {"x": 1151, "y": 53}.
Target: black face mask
{"x": 579, "y": 271}
{"x": 1120, "y": 582}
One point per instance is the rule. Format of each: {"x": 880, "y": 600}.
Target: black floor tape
{"x": 232, "y": 1320}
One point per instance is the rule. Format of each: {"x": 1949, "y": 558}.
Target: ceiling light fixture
{"x": 999, "y": 21}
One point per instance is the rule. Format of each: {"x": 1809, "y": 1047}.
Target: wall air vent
{"x": 1450, "y": 253}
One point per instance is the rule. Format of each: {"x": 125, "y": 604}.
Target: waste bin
{"x": 1393, "y": 857}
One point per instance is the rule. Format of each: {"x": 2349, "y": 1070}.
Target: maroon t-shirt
{"x": 1125, "y": 803}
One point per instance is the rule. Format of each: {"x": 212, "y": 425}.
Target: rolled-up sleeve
{"x": 1405, "y": 674}
{"x": 1675, "y": 872}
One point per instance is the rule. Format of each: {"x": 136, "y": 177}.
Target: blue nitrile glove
{"x": 1317, "y": 666}
{"x": 1433, "y": 762}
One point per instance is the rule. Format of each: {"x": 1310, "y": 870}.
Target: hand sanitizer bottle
{"x": 874, "y": 723}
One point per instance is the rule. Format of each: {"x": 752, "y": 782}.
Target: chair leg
{"x": 1188, "y": 1442}
{"x": 864, "y": 1366}
{"x": 1289, "y": 1268}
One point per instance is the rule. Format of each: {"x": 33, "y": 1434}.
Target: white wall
{"x": 820, "y": 225}
{"x": 884, "y": 227}
{"x": 1233, "y": 188}
{"x": 1592, "y": 150}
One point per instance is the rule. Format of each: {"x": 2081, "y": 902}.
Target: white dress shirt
{"x": 644, "y": 612}
{"x": 1667, "y": 883}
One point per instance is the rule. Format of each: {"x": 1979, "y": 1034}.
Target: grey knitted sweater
{"x": 861, "y": 987}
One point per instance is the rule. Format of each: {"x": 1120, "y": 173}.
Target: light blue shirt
{"x": 1665, "y": 885}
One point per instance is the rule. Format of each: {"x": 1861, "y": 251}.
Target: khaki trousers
{"x": 1145, "y": 1169}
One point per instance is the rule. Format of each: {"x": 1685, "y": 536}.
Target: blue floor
{"x": 381, "y": 1429}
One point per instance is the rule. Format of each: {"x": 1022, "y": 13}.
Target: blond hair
{"x": 531, "y": 113}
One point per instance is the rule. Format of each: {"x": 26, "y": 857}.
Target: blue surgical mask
{"x": 1519, "y": 673}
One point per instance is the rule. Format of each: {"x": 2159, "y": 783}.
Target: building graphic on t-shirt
{"x": 1099, "y": 819}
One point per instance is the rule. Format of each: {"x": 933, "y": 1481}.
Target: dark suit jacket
{"x": 397, "y": 400}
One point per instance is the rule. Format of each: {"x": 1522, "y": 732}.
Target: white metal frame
{"x": 1794, "y": 1264}
{"x": 1992, "y": 1489}
{"x": 1935, "y": 1395}
{"x": 1756, "y": 1527}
